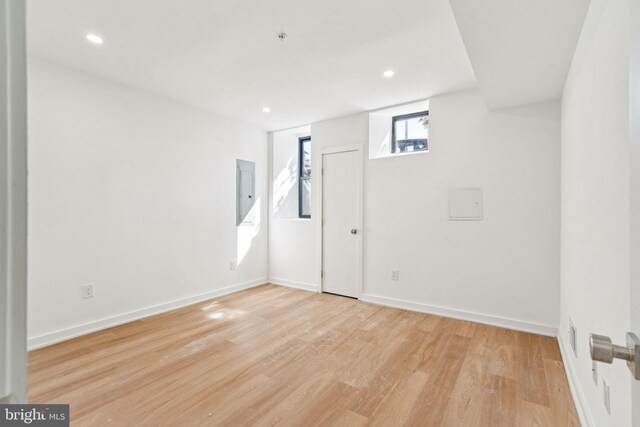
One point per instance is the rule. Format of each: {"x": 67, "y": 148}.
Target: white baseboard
{"x": 292, "y": 284}
{"x": 97, "y": 325}
{"x": 576, "y": 392}
{"x": 503, "y": 322}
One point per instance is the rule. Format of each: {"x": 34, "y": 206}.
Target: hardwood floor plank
{"x": 457, "y": 327}
{"x": 397, "y": 406}
{"x": 443, "y": 373}
{"x": 498, "y": 347}
{"x": 534, "y": 415}
{"x": 550, "y": 349}
{"x": 384, "y": 378}
{"x": 344, "y": 418}
{"x": 562, "y": 407}
{"x": 481, "y": 398}
{"x": 279, "y": 356}
{"x": 532, "y": 381}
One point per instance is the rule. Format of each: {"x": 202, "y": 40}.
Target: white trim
{"x": 401, "y": 154}
{"x": 487, "y": 319}
{"x": 293, "y": 284}
{"x": 13, "y": 201}
{"x": 316, "y": 208}
{"x": 342, "y": 148}
{"x": 109, "y": 322}
{"x": 576, "y": 392}
{"x": 359, "y": 148}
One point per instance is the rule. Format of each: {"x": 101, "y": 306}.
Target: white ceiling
{"x": 521, "y": 50}
{"x": 224, "y": 56}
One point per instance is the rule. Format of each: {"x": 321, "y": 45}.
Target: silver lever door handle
{"x": 354, "y": 231}
{"x": 602, "y": 350}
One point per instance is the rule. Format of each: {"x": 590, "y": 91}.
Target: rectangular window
{"x": 410, "y": 132}
{"x": 304, "y": 177}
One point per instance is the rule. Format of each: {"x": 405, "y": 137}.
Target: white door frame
{"x": 359, "y": 148}
{"x": 13, "y": 202}
{"x": 634, "y": 167}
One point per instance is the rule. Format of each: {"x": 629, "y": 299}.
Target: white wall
{"x": 132, "y": 193}
{"x": 595, "y": 205}
{"x": 504, "y": 269}
{"x": 292, "y": 243}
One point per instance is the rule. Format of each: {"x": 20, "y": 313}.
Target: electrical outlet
{"x": 232, "y": 265}
{"x": 594, "y": 372}
{"x": 87, "y": 291}
{"x": 607, "y": 396}
{"x": 573, "y": 337}
{"x": 394, "y": 274}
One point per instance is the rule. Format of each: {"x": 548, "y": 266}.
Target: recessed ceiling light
{"x": 388, "y": 73}
{"x": 266, "y": 110}
{"x": 95, "y": 39}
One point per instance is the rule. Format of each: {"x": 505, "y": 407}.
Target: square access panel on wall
{"x": 465, "y": 204}
{"x": 245, "y": 189}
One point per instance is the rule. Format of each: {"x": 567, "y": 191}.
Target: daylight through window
{"x": 410, "y": 132}
{"x": 304, "y": 181}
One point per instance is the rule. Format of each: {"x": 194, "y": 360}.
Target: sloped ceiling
{"x": 520, "y": 50}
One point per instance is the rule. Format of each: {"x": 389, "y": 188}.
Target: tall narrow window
{"x": 410, "y": 132}
{"x": 304, "y": 180}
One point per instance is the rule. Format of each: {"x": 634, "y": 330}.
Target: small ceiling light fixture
{"x": 389, "y": 73}
{"x": 95, "y": 39}
{"x": 266, "y": 110}
{"x": 282, "y": 36}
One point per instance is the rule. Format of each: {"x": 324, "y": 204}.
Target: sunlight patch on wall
{"x": 247, "y": 231}
{"x": 284, "y": 185}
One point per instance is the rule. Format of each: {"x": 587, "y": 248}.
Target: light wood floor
{"x": 273, "y": 355}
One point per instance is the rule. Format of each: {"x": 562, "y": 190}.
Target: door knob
{"x": 354, "y": 231}
{"x": 602, "y": 350}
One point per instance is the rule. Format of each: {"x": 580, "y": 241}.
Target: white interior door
{"x": 13, "y": 203}
{"x": 341, "y": 234}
